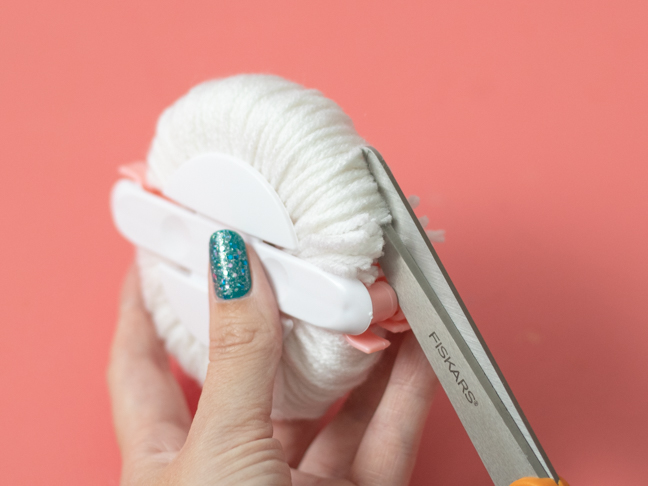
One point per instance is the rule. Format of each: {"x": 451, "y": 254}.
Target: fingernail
{"x": 229, "y": 265}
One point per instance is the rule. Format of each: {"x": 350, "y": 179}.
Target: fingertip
{"x": 229, "y": 264}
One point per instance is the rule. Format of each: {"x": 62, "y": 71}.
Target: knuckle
{"x": 415, "y": 385}
{"x": 250, "y": 425}
{"x": 236, "y": 336}
{"x": 231, "y": 334}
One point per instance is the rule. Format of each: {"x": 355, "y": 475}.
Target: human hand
{"x": 372, "y": 440}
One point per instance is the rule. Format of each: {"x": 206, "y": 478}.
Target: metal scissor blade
{"x": 453, "y": 345}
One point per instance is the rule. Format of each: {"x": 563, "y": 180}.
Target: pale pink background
{"x": 522, "y": 125}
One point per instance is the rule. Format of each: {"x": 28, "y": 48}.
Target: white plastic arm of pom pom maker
{"x": 217, "y": 192}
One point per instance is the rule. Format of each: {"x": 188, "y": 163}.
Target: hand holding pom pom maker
{"x": 216, "y": 191}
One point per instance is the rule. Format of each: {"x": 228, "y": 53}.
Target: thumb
{"x": 245, "y": 344}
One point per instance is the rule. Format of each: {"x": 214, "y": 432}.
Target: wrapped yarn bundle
{"x": 308, "y": 150}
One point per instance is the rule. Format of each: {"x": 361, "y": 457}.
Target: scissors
{"x": 454, "y": 346}
{"x": 174, "y": 222}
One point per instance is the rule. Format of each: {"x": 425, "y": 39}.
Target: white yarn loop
{"x": 307, "y": 149}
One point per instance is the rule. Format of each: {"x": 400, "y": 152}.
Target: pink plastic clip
{"x": 136, "y": 172}
{"x": 386, "y": 314}
{"x": 367, "y": 342}
{"x": 383, "y": 301}
{"x": 394, "y": 326}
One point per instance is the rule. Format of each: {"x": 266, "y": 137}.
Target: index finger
{"x": 388, "y": 450}
{"x": 147, "y": 402}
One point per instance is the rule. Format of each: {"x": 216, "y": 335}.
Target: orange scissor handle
{"x": 538, "y": 482}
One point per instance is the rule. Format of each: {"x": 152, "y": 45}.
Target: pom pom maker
{"x": 216, "y": 191}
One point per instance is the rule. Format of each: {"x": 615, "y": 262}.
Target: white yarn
{"x": 308, "y": 150}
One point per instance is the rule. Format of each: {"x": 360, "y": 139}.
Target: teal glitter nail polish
{"x": 229, "y": 265}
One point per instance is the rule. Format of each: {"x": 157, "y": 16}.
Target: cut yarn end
{"x": 308, "y": 150}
